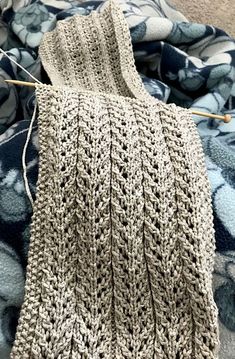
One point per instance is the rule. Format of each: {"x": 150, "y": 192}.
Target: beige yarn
{"x": 122, "y": 246}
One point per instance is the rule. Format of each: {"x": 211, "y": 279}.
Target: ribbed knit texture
{"x": 122, "y": 246}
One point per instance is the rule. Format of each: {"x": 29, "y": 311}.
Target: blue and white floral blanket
{"x": 189, "y": 64}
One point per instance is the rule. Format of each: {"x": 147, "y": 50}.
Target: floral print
{"x": 34, "y": 16}
{"x": 31, "y": 23}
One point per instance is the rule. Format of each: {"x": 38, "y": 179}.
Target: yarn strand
{"x": 20, "y": 66}
{"x": 26, "y": 182}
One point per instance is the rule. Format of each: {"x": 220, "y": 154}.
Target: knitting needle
{"x": 21, "y": 83}
{"x": 226, "y": 118}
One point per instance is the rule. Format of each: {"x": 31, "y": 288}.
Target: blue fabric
{"x": 192, "y": 65}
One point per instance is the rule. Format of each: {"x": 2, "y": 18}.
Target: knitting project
{"x": 122, "y": 242}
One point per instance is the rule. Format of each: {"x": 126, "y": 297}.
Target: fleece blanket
{"x": 192, "y": 65}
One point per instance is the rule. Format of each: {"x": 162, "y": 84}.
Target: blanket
{"x": 192, "y": 65}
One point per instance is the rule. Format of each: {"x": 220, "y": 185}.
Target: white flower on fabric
{"x": 31, "y": 23}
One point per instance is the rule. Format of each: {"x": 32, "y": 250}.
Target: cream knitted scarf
{"x": 122, "y": 247}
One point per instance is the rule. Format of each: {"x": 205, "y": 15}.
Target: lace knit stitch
{"x": 122, "y": 244}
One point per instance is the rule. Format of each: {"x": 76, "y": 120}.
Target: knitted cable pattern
{"x": 122, "y": 243}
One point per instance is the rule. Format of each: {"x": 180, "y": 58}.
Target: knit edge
{"x": 22, "y": 344}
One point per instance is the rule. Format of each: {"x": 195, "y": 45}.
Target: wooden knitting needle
{"x": 21, "y": 83}
{"x": 226, "y": 118}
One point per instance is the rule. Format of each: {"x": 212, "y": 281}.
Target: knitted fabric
{"x": 122, "y": 247}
